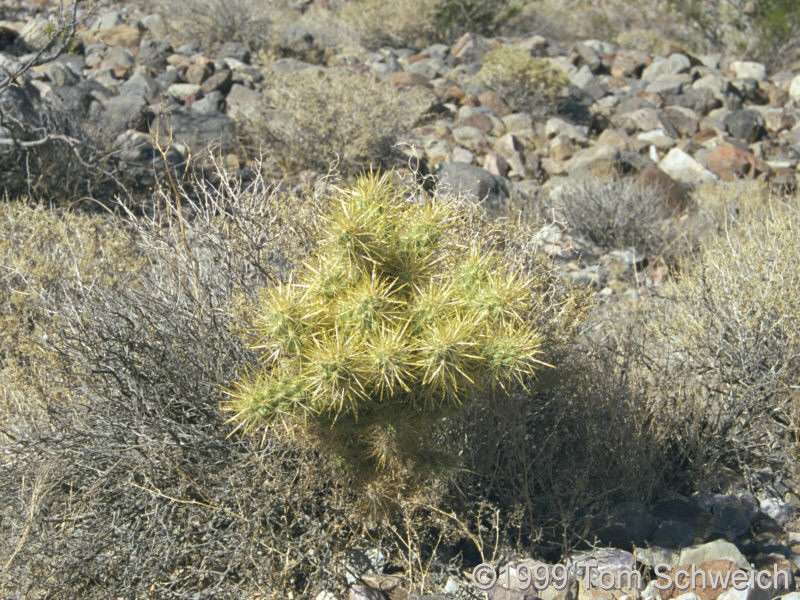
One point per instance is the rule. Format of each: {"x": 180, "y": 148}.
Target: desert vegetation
{"x": 340, "y": 299}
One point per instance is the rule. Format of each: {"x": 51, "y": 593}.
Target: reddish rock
{"x": 715, "y": 572}
{"x": 777, "y": 97}
{"x": 674, "y": 194}
{"x": 493, "y": 100}
{"x": 731, "y": 163}
{"x": 199, "y": 71}
{"x": 478, "y": 120}
{"x": 124, "y": 35}
{"x": 408, "y": 79}
{"x": 705, "y": 135}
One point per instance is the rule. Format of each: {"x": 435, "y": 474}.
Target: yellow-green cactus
{"x": 393, "y": 324}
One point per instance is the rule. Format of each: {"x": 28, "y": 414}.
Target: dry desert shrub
{"x": 616, "y": 213}
{"x": 527, "y": 83}
{"x": 336, "y": 115}
{"x": 417, "y": 24}
{"x": 721, "y": 346}
{"x": 215, "y": 22}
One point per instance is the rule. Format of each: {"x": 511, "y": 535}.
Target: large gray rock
{"x": 124, "y": 112}
{"x": 474, "y": 183}
{"x": 747, "y": 125}
{"x": 245, "y": 104}
{"x": 197, "y": 130}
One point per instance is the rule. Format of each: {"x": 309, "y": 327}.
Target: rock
{"x": 780, "y": 511}
{"x": 220, "y": 81}
{"x": 676, "y": 63}
{"x": 657, "y": 138}
{"x": 153, "y": 54}
{"x": 198, "y": 72}
{"x": 364, "y": 592}
{"x": 236, "y": 51}
{"x": 521, "y": 125}
{"x": 518, "y": 579}
{"x": 707, "y": 580}
{"x": 470, "y": 48}
{"x": 683, "y": 168}
{"x": 673, "y": 193}
{"x": 36, "y": 34}
{"x": 123, "y": 35}
{"x": 209, "y": 102}
{"x": 470, "y": 137}
{"x": 685, "y": 120}
{"x": 125, "y": 112}
{"x": 108, "y": 20}
{"x": 701, "y": 100}
{"x": 629, "y": 524}
{"x": 794, "y": 90}
{"x": 186, "y": 93}
{"x": 437, "y": 150}
{"x": 245, "y": 104}
{"x": 197, "y": 130}
{"x": 716, "y": 550}
{"x": 156, "y": 25}
{"x": 475, "y": 183}
{"x": 747, "y": 125}
{"x": 494, "y": 101}
{"x": 496, "y": 164}
{"x": 776, "y": 121}
{"x": 582, "y": 78}
{"x": 672, "y": 534}
{"x": 556, "y": 126}
{"x": 61, "y": 75}
{"x": 657, "y": 555}
{"x": 668, "y": 84}
{"x": 730, "y": 163}
{"x": 609, "y": 569}
{"x": 406, "y": 79}
{"x": 749, "y": 70}
{"x": 142, "y": 85}
{"x": 598, "y": 160}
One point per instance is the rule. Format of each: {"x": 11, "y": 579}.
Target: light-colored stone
{"x": 794, "y": 90}
{"x": 685, "y": 169}
{"x": 244, "y": 103}
{"x": 744, "y": 69}
{"x": 657, "y": 138}
{"x": 716, "y": 550}
{"x": 599, "y": 160}
{"x": 676, "y": 63}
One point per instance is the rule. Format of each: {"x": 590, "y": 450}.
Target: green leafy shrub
{"x": 527, "y": 83}
{"x": 333, "y": 115}
{"x": 390, "y": 326}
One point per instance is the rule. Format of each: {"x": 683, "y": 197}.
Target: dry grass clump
{"x": 615, "y": 213}
{"x": 215, "y": 22}
{"x": 527, "y": 83}
{"x": 334, "y": 115}
{"x": 417, "y": 24}
{"x": 722, "y": 346}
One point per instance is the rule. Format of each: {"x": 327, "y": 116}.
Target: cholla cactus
{"x": 392, "y": 325}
